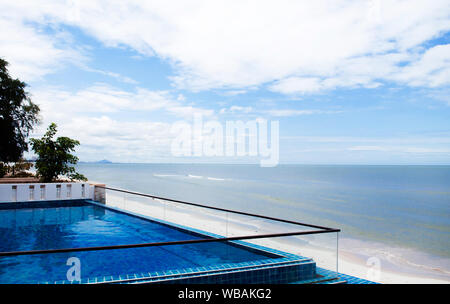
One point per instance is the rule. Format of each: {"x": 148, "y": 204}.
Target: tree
{"x": 3, "y": 169}
{"x": 54, "y": 157}
{"x": 18, "y": 116}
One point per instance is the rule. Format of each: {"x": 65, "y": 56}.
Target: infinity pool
{"x": 53, "y": 225}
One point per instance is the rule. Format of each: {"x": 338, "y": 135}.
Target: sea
{"x": 399, "y": 214}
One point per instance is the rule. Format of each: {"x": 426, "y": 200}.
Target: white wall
{"x": 23, "y": 193}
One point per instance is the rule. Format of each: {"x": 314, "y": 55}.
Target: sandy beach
{"x": 322, "y": 248}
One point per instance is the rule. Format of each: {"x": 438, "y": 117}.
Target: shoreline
{"x": 350, "y": 263}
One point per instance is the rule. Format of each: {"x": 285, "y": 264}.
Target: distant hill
{"x": 103, "y": 161}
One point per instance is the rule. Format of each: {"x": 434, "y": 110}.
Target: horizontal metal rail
{"x": 197, "y": 241}
{"x": 127, "y": 246}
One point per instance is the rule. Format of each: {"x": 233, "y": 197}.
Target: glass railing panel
{"x": 322, "y": 248}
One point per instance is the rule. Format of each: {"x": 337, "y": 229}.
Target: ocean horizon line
{"x": 257, "y": 164}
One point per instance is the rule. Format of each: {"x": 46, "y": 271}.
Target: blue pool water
{"x": 59, "y": 225}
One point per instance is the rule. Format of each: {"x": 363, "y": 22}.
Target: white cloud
{"x": 117, "y": 76}
{"x": 375, "y": 141}
{"x": 441, "y": 95}
{"x": 273, "y": 112}
{"x": 363, "y": 71}
{"x": 35, "y": 45}
{"x": 293, "y": 112}
{"x": 189, "y": 111}
{"x": 402, "y": 149}
{"x": 318, "y": 45}
{"x": 236, "y": 109}
{"x": 367, "y": 148}
{"x": 103, "y": 98}
{"x": 32, "y": 54}
{"x": 431, "y": 70}
{"x": 118, "y": 140}
{"x": 234, "y": 92}
{"x": 293, "y": 85}
{"x": 97, "y": 117}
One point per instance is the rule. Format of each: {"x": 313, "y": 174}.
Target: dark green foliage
{"x": 54, "y": 157}
{"x": 3, "y": 169}
{"x": 18, "y": 116}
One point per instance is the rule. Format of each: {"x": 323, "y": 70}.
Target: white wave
{"x": 190, "y": 176}
{"x": 166, "y": 175}
{"x": 206, "y": 177}
{"x": 216, "y": 178}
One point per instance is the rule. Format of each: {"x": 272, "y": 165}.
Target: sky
{"x": 350, "y": 82}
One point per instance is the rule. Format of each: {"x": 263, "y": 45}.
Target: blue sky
{"x": 350, "y": 82}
